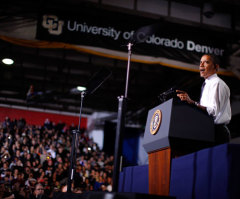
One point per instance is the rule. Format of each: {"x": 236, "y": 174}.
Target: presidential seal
{"x": 155, "y": 122}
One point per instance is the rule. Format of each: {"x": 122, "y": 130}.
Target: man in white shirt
{"x": 215, "y": 98}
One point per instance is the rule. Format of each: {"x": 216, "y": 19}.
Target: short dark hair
{"x": 214, "y": 58}
{"x": 38, "y": 184}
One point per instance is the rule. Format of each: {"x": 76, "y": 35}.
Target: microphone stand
{"x": 74, "y": 147}
{"x": 120, "y": 127}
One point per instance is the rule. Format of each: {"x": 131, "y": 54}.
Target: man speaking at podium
{"x": 214, "y": 99}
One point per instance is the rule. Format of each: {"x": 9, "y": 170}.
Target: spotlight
{"x": 78, "y": 89}
{"x": 81, "y": 88}
{"x": 7, "y": 61}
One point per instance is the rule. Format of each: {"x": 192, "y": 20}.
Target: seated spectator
{"x": 5, "y": 191}
{"x": 38, "y": 192}
{"x": 25, "y": 161}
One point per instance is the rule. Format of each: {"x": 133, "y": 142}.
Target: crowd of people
{"x": 36, "y": 160}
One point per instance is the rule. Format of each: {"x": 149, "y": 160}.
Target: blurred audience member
{"x": 35, "y": 161}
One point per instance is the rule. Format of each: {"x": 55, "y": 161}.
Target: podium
{"x": 173, "y": 128}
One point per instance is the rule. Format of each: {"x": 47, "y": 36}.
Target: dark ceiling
{"x": 54, "y": 72}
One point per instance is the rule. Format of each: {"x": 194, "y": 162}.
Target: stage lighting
{"x": 77, "y": 90}
{"x": 81, "y": 88}
{"x": 7, "y": 61}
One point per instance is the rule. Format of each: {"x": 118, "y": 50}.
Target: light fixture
{"x": 7, "y": 61}
{"x": 78, "y": 89}
{"x": 81, "y": 88}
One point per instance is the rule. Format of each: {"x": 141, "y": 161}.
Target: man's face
{"x": 206, "y": 67}
{"x": 39, "y": 190}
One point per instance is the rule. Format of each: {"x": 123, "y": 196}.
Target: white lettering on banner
{"x": 55, "y": 26}
{"x": 191, "y": 46}
{"x": 174, "y": 43}
{"x": 106, "y": 32}
{"x": 127, "y": 35}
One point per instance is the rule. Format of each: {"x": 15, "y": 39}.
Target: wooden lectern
{"x": 173, "y": 128}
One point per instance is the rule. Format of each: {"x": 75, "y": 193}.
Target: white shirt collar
{"x": 211, "y": 77}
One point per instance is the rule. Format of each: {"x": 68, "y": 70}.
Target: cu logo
{"x": 53, "y": 25}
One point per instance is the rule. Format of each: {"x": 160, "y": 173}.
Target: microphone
{"x": 170, "y": 93}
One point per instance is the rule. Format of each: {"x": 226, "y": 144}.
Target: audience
{"x": 35, "y": 161}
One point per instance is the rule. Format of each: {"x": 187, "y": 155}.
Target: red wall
{"x": 38, "y": 117}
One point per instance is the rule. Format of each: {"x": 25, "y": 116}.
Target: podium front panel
{"x": 189, "y": 122}
{"x": 152, "y": 142}
{"x": 175, "y": 123}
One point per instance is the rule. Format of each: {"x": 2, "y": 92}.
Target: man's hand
{"x": 184, "y": 96}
